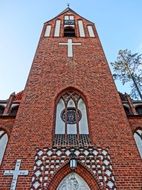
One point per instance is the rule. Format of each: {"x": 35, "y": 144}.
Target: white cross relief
{"x": 17, "y": 172}
{"x": 70, "y": 45}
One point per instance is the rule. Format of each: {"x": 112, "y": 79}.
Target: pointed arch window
{"x": 138, "y": 140}
{"x": 73, "y": 181}
{"x": 71, "y": 114}
{"x": 3, "y": 143}
{"x": 71, "y": 127}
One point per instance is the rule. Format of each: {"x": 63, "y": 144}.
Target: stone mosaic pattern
{"x": 49, "y": 160}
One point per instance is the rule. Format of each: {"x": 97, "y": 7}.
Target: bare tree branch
{"x": 128, "y": 68}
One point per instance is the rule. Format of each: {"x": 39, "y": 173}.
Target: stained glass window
{"x": 71, "y": 114}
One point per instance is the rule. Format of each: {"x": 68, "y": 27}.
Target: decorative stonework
{"x": 50, "y": 160}
{"x": 73, "y": 182}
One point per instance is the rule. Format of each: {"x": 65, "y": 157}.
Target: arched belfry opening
{"x": 14, "y": 110}
{"x": 73, "y": 182}
{"x": 69, "y": 26}
{"x": 71, "y": 124}
{"x": 69, "y": 31}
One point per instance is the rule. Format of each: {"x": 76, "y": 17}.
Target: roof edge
{"x": 65, "y": 11}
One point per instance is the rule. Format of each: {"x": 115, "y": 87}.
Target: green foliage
{"x": 128, "y": 68}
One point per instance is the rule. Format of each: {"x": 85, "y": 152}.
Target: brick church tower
{"x": 71, "y": 131}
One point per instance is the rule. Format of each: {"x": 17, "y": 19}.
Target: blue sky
{"x": 118, "y": 22}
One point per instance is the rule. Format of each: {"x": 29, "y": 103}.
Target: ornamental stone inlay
{"x": 95, "y": 160}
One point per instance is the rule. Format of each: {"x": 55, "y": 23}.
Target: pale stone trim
{"x": 57, "y": 28}
{"x": 47, "y": 31}
{"x": 81, "y": 28}
{"x": 91, "y": 31}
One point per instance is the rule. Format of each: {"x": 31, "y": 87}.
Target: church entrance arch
{"x": 78, "y": 179}
{"x": 73, "y": 182}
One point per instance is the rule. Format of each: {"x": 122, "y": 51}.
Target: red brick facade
{"x": 110, "y": 130}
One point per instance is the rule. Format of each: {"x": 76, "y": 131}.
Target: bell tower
{"x": 71, "y": 131}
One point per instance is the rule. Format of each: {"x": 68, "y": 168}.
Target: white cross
{"x": 70, "y": 46}
{"x": 15, "y": 174}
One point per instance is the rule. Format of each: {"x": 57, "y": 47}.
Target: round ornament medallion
{"x": 73, "y": 115}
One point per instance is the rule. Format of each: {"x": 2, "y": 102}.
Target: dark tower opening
{"x": 14, "y": 111}
{"x": 69, "y": 31}
{"x": 1, "y": 109}
{"x": 139, "y": 110}
{"x": 127, "y": 110}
